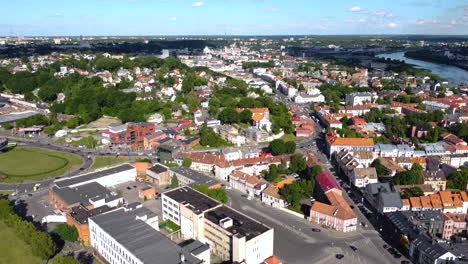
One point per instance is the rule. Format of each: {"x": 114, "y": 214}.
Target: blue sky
{"x": 232, "y": 17}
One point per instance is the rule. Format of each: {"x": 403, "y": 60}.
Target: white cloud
{"x": 392, "y": 25}
{"x": 173, "y": 18}
{"x": 198, "y": 4}
{"x": 58, "y": 14}
{"x": 355, "y": 9}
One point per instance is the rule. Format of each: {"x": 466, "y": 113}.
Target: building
{"x": 337, "y": 215}
{"x": 130, "y": 133}
{"x": 445, "y": 201}
{"x": 158, "y": 175}
{"x": 248, "y": 184}
{"x": 436, "y": 179}
{"x": 189, "y": 177}
{"x": 336, "y": 143}
{"x": 361, "y": 177}
{"x": 454, "y": 225}
{"x": 382, "y": 198}
{"x": 231, "y": 235}
{"x": 90, "y": 195}
{"x": 78, "y": 217}
{"x": 271, "y": 196}
{"x": 106, "y": 177}
{"x": 132, "y": 237}
{"x": 355, "y": 99}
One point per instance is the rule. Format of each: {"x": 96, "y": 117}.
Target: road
{"x": 296, "y": 243}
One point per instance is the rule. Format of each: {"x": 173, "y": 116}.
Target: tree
{"x": 459, "y": 180}
{"x": 412, "y": 192}
{"x": 228, "y": 116}
{"x": 245, "y": 116}
{"x": 73, "y": 122}
{"x": 298, "y": 164}
{"x": 64, "y": 260}
{"x": 187, "y": 162}
{"x": 174, "y": 182}
{"x": 290, "y": 147}
{"x": 380, "y": 169}
{"x": 413, "y": 176}
{"x": 316, "y": 170}
{"x": 218, "y": 194}
{"x": 273, "y": 174}
{"x": 277, "y": 147}
{"x": 66, "y": 232}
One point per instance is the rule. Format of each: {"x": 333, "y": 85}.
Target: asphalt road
{"x": 296, "y": 243}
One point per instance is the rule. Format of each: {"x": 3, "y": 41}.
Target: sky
{"x": 231, "y": 17}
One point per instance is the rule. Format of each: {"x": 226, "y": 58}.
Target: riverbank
{"x": 427, "y": 56}
{"x": 448, "y": 72}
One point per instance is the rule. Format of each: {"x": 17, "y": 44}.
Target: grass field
{"x": 101, "y": 162}
{"x": 14, "y": 251}
{"x": 22, "y": 165}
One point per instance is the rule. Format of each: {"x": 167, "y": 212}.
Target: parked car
{"x": 353, "y": 247}
{"x": 316, "y": 230}
{"x": 339, "y": 256}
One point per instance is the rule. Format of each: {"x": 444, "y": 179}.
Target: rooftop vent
{"x": 226, "y": 222}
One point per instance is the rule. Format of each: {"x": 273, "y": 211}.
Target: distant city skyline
{"x": 232, "y": 17}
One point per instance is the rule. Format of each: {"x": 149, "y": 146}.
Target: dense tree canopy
{"x": 459, "y": 180}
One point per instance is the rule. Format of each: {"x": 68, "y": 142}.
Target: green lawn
{"x": 290, "y": 137}
{"x": 100, "y": 162}
{"x": 14, "y": 251}
{"x": 22, "y": 165}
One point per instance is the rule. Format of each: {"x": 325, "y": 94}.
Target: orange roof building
{"x": 337, "y": 215}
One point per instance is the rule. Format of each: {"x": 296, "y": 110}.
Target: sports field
{"x": 13, "y": 250}
{"x": 23, "y": 165}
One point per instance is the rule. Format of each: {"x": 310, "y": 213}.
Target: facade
{"x": 78, "y": 217}
{"x": 271, "y": 196}
{"x": 338, "y": 215}
{"x": 336, "y": 143}
{"x": 361, "y": 177}
{"x": 158, "y": 175}
{"x": 355, "y": 99}
{"x": 130, "y": 133}
{"x": 246, "y": 183}
{"x": 132, "y": 237}
{"x": 436, "y": 179}
{"x": 455, "y": 224}
{"x": 231, "y": 235}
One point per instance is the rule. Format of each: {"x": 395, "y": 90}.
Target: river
{"x": 451, "y": 73}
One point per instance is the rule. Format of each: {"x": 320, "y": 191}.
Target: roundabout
{"x": 30, "y": 164}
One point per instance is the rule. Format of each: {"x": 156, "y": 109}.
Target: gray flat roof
{"x": 84, "y": 193}
{"x": 198, "y": 201}
{"x": 93, "y": 175}
{"x": 195, "y": 176}
{"x": 242, "y": 224}
{"x": 144, "y": 242}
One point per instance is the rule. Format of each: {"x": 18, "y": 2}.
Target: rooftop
{"x": 195, "y": 176}
{"x": 144, "y": 242}
{"x": 158, "y": 169}
{"x": 93, "y": 175}
{"x": 242, "y": 224}
{"x": 85, "y": 193}
{"x": 195, "y": 200}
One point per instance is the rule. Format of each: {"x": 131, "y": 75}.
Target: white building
{"x": 131, "y": 236}
{"x": 232, "y": 236}
{"x": 360, "y": 98}
{"x": 106, "y": 177}
{"x": 304, "y": 99}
